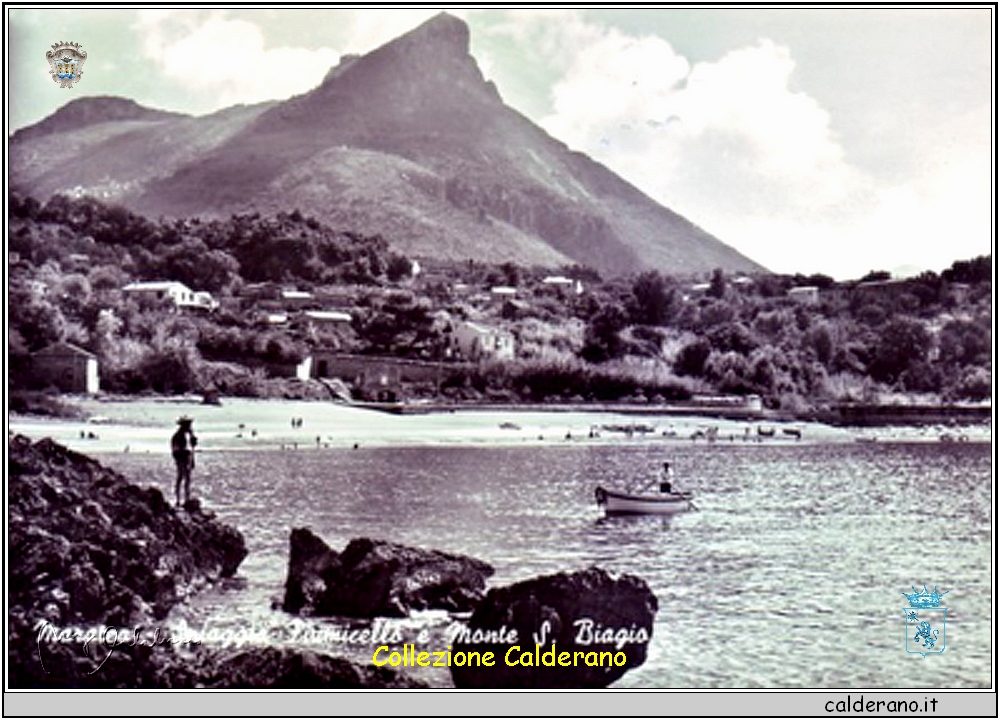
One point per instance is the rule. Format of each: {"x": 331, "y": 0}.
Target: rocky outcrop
{"x": 88, "y": 542}
{"x": 277, "y": 669}
{"x": 589, "y": 616}
{"x": 89, "y": 547}
{"x": 373, "y": 578}
{"x": 94, "y": 557}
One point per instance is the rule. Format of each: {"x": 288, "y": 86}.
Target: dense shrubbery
{"x": 74, "y": 256}
{"x": 901, "y": 336}
{"x": 207, "y": 255}
{"x": 930, "y": 335}
{"x": 563, "y": 381}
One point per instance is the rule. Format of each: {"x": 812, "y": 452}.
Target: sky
{"x": 811, "y": 139}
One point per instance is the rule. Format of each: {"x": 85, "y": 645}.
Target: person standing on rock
{"x": 182, "y": 446}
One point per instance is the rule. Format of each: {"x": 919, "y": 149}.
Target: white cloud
{"x": 732, "y": 144}
{"x": 229, "y": 58}
{"x": 230, "y": 61}
{"x": 734, "y": 147}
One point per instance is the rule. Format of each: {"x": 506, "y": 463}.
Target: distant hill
{"x": 408, "y": 141}
{"x": 86, "y": 111}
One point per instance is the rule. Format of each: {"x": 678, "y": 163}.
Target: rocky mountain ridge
{"x": 409, "y": 141}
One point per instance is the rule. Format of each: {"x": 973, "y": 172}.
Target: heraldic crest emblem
{"x": 66, "y": 62}
{"x": 925, "y": 622}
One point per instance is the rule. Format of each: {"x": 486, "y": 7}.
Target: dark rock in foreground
{"x": 88, "y": 547}
{"x": 605, "y": 614}
{"x": 90, "y": 551}
{"x": 278, "y": 669}
{"x": 373, "y": 578}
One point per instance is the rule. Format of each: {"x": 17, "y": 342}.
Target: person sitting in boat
{"x": 666, "y": 484}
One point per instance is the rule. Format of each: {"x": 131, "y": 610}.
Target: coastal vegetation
{"x": 646, "y": 338}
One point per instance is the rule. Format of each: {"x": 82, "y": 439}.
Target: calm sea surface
{"x": 789, "y": 575}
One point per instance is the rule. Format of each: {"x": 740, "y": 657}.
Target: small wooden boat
{"x": 617, "y": 503}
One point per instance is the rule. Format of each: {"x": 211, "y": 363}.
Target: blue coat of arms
{"x": 925, "y": 622}
{"x": 66, "y": 63}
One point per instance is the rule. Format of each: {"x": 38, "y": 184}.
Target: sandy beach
{"x": 144, "y": 425}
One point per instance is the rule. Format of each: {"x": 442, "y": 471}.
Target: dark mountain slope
{"x": 409, "y": 141}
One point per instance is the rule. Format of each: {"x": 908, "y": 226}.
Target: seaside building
{"x": 296, "y": 299}
{"x": 476, "y": 342}
{"x": 562, "y": 285}
{"x": 182, "y": 297}
{"x": 328, "y": 317}
{"x": 889, "y": 289}
{"x": 503, "y": 292}
{"x": 373, "y": 377}
{"x": 67, "y": 367}
{"x": 806, "y": 294}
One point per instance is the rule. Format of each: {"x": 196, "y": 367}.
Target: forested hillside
{"x": 648, "y": 337}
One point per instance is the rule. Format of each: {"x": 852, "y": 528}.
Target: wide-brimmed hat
{"x": 184, "y": 420}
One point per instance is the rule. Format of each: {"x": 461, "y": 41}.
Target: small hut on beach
{"x": 67, "y": 367}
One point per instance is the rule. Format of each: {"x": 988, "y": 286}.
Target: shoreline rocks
{"x": 583, "y": 612}
{"x": 275, "y": 668}
{"x": 375, "y": 578}
{"x": 96, "y": 557}
{"x": 89, "y": 548}
{"x": 85, "y": 538}
{"x": 91, "y": 551}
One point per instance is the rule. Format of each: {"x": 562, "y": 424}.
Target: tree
{"x": 821, "y": 341}
{"x": 965, "y": 343}
{"x": 398, "y": 268}
{"x": 731, "y": 336}
{"x": 717, "y": 285}
{"x": 401, "y": 325}
{"x": 19, "y": 369}
{"x": 979, "y": 269}
{"x": 729, "y": 371}
{"x": 192, "y": 263}
{"x": 652, "y": 301}
{"x": 601, "y": 339}
{"x": 715, "y": 312}
{"x": 901, "y": 343}
{"x": 511, "y": 274}
{"x": 691, "y": 359}
{"x": 39, "y": 321}
{"x": 876, "y": 276}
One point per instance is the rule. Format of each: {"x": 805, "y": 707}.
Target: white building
{"x": 806, "y": 294}
{"x": 563, "y": 284}
{"x": 503, "y": 292}
{"x": 328, "y": 317}
{"x": 296, "y": 298}
{"x": 477, "y": 342}
{"x": 177, "y": 292}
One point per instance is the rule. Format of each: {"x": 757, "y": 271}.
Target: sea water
{"x": 789, "y": 574}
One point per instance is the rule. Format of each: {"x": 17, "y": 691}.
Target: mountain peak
{"x": 91, "y": 110}
{"x": 408, "y": 141}
{"x": 426, "y": 77}
{"x": 440, "y": 43}
{"x": 444, "y": 32}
